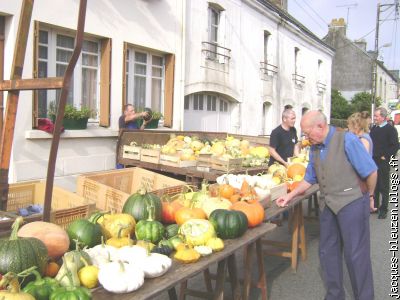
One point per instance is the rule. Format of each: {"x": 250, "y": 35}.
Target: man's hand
{"x": 283, "y": 200}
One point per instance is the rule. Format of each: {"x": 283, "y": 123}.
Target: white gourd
{"x": 120, "y": 277}
{"x": 154, "y": 265}
{"x": 131, "y": 254}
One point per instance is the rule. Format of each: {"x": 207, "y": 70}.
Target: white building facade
{"x": 246, "y": 60}
{"x": 215, "y": 66}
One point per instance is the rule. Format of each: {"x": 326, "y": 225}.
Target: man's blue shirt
{"x": 355, "y": 152}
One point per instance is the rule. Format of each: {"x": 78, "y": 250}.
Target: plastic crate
{"x": 66, "y": 206}
{"x": 109, "y": 190}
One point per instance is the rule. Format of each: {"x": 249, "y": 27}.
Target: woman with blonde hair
{"x": 359, "y": 123}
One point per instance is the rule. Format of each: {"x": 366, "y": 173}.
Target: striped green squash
{"x": 18, "y": 254}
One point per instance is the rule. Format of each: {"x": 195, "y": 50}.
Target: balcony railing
{"x": 321, "y": 87}
{"x": 298, "y": 79}
{"x": 215, "y": 52}
{"x": 268, "y": 69}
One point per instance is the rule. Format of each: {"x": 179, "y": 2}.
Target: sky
{"x": 361, "y": 18}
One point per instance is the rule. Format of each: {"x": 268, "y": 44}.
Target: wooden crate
{"x": 204, "y": 162}
{"x": 109, "y": 190}
{"x": 175, "y": 161}
{"x": 66, "y": 206}
{"x": 279, "y": 190}
{"x": 150, "y": 155}
{"x": 131, "y": 152}
{"x": 230, "y": 165}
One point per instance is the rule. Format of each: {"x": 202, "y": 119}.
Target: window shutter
{"x": 2, "y": 30}
{"x": 124, "y": 58}
{"x": 169, "y": 89}
{"x": 105, "y": 82}
{"x": 35, "y": 94}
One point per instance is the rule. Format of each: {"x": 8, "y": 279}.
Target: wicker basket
{"x": 109, "y": 190}
{"x": 66, "y": 206}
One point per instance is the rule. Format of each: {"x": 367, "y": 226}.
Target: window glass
{"x": 186, "y": 104}
{"x": 196, "y": 102}
{"x": 201, "y": 102}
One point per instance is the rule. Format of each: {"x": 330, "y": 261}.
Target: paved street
{"x": 283, "y": 284}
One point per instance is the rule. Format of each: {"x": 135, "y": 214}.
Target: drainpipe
{"x": 183, "y": 66}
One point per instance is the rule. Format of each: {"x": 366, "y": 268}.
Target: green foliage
{"x": 363, "y": 101}
{"x": 155, "y": 114}
{"x": 340, "y": 107}
{"x": 70, "y": 112}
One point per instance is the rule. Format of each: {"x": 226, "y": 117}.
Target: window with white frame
{"x": 267, "y": 36}
{"x": 145, "y": 79}
{"x": 54, "y": 52}
{"x": 214, "y": 16}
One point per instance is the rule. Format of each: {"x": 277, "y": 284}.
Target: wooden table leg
{"x": 233, "y": 276}
{"x": 295, "y": 237}
{"x": 219, "y": 285}
{"x": 182, "y": 290}
{"x": 207, "y": 280}
{"x": 247, "y": 271}
{"x": 262, "y": 281}
{"x": 302, "y": 244}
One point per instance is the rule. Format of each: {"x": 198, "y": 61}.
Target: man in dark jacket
{"x": 386, "y": 144}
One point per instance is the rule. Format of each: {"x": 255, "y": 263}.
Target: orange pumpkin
{"x": 254, "y": 211}
{"x": 187, "y": 213}
{"x": 234, "y": 198}
{"x": 293, "y": 185}
{"x": 296, "y": 169}
{"x": 53, "y": 236}
{"x": 226, "y": 191}
{"x": 169, "y": 209}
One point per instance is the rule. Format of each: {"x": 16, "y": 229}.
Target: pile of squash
{"x": 120, "y": 250}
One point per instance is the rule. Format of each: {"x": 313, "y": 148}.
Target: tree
{"x": 363, "y": 101}
{"x": 340, "y": 108}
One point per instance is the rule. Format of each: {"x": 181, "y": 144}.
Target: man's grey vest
{"x": 339, "y": 183}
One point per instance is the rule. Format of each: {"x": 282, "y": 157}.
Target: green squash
{"x": 150, "y": 230}
{"x": 171, "y": 230}
{"x": 19, "y": 254}
{"x": 229, "y": 224}
{"x": 137, "y": 205}
{"x": 68, "y": 293}
{"x": 41, "y": 288}
{"x": 87, "y": 233}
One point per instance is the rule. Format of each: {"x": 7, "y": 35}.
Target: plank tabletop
{"x": 180, "y": 272}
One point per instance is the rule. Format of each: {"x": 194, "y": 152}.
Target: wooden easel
{"x": 16, "y": 84}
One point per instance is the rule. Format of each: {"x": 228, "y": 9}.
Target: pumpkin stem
{"x": 15, "y": 227}
{"x": 82, "y": 259}
{"x": 142, "y": 191}
{"x": 151, "y": 212}
{"x": 121, "y": 266}
{"x": 122, "y": 227}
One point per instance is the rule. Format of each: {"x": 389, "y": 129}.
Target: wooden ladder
{"x": 16, "y": 84}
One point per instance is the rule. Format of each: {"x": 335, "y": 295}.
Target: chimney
{"x": 282, "y": 4}
{"x": 338, "y": 26}
{"x": 362, "y": 44}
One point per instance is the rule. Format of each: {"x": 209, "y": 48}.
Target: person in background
{"x": 129, "y": 121}
{"x": 129, "y": 118}
{"x": 358, "y": 123}
{"x": 386, "y": 144}
{"x": 346, "y": 175}
{"x": 283, "y": 142}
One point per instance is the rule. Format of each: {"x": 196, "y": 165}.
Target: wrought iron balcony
{"x": 321, "y": 87}
{"x": 299, "y": 80}
{"x": 268, "y": 69}
{"x": 216, "y": 53}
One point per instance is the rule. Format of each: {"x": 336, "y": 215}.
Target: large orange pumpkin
{"x": 187, "y": 213}
{"x": 53, "y": 236}
{"x": 226, "y": 191}
{"x": 169, "y": 208}
{"x": 254, "y": 211}
{"x": 296, "y": 169}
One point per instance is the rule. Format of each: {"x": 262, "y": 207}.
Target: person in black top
{"x": 283, "y": 140}
{"x": 129, "y": 118}
{"x": 386, "y": 145}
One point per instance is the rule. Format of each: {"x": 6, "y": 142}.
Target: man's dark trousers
{"x": 382, "y": 184}
{"x": 348, "y": 229}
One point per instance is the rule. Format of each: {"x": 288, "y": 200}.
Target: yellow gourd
{"x": 186, "y": 255}
{"x": 120, "y": 241}
{"x": 89, "y": 275}
{"x": 112, "y": 223}
{"x": 13, "y": 292}
{"x": 216, "y": 244}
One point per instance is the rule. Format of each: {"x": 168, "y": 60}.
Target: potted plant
{"x": 153, "y": 124}
{"x": 73, "y": 118}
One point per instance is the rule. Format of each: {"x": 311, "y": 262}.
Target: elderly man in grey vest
{"x": 346, "y": 175}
